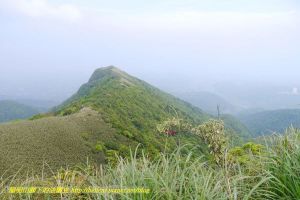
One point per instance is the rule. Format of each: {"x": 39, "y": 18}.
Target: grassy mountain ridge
{"x": 133, "y": 107}
{"x": 128, "y": 102}
{"x": 11, "y": 110}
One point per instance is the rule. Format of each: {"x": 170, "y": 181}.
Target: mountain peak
{"x": 109, "y": 71}
{"x": 108, "y": 68}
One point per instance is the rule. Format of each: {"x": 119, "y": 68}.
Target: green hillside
{"x": 236, "y": 126}
{"x": 108, "y": 116}
{"x": 10, "y": 110}
{"x": 57, "y": 141}
{"x": 267, "y": 122}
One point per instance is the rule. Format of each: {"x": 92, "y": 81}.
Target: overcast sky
{"x": 48, "y": 48}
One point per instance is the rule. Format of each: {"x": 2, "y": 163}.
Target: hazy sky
{"x": 48, "y": 48}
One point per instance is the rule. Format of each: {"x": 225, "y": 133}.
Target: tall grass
{"x": 171, "y": 176}
{"x": 272, "y": 175}
{"x": 284, "y": 165}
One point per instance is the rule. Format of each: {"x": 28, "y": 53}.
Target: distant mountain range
{"x": 249, "y": 119}
{"x": 209, "y": 101}
{"x": 260, "y": 96}
{"x": 267, "y": 122}
{"x": 41, "y": 105}
{"x": 11, "y": 110}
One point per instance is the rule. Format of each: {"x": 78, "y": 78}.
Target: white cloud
{"x": 210, "y": 23}
{"x": 221, "y": 19}
{"x": 295, "y": 91}
{"x": 42, "y": 9}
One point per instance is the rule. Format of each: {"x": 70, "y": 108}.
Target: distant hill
{"x": 267, "y": 122}
{"x": 41, "y": 105}
{"x": 208, "y": 102}
{"x": 259, "y": 96}
{"x": 11, "y": 110}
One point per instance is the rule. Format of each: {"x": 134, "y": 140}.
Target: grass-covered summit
{"x": 129, "y": 104}
{"x": 133, "y": 108}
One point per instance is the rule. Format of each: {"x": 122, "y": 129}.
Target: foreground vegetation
{"x": 251, "y": 171}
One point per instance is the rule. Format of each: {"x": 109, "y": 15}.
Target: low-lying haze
{"x": 49, "y": 48}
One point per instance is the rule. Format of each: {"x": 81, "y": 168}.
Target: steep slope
{"x": 111, "y": 114}
{"x": 11, "y": 110}
{"x": 267, "y": 122}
